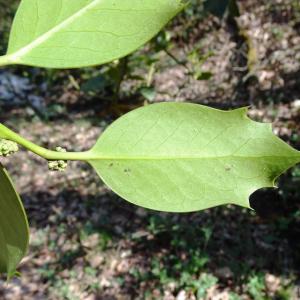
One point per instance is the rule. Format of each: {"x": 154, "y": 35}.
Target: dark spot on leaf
{"x": 127, "y": 170}
{"x": 111, "y": 165}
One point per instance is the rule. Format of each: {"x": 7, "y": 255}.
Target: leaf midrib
{"x": 44, "y": 37}
{"x": 101, "y": 157}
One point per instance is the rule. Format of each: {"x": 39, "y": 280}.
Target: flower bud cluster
{"x": 8, "y": 147}
{"x": 58, "y": 165}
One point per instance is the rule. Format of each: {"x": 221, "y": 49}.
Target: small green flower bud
{"x": 8, "y": 147}
{"x": 58, "y": 165}
{"x": 60, "y": 149}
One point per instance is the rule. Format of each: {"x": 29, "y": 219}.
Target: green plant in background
{"x": 256, "y": 286}
{"x": 172, "y": 157}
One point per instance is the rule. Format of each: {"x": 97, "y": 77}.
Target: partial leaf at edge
{"x": 181, "y": 157}
{"x": 68, "y": 33}
{"x": 14, "y": 232}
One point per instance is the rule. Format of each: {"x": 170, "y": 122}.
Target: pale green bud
{"x": 8, "y": 147}
{"x": 58, "y": 165}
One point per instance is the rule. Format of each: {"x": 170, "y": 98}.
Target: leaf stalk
{"x": 4, "y": 60}
{"x": 6, "y": 133}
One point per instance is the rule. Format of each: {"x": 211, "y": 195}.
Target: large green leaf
{"x": 14, "y": 232}
{"x": 184, "y": 157}
{"x": 76, "y": 33}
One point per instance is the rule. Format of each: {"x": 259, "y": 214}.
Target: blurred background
{"x": 86, "y": 242}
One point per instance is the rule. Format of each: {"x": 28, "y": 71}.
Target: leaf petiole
{"x": 8, "y": 134}
{"x": 4, "y": 60}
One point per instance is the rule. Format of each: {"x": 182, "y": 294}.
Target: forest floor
{"x": 87, "y": 243}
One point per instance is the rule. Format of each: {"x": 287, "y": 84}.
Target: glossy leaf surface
{"x": 68, "y": 33}
{"x": 14, "y": 232}
{"x": 181, "y": 157}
